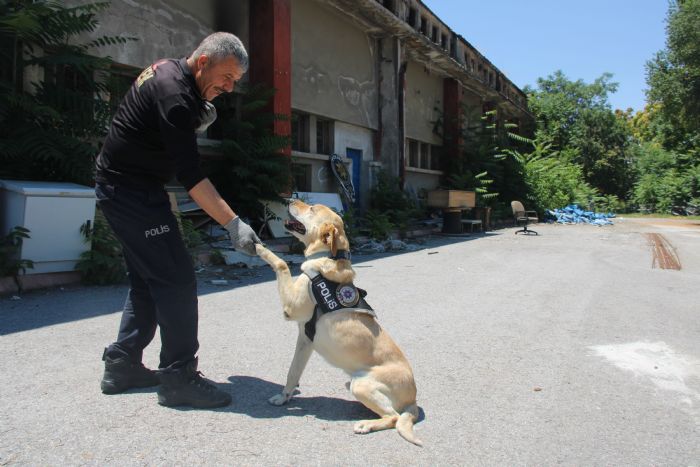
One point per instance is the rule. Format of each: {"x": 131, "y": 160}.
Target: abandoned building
{"x": 364, "y": 79}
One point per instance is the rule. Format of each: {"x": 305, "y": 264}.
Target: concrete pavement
{"x": 565, "y": 348}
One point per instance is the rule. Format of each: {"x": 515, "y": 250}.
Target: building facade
{"x": 365, "y": 79}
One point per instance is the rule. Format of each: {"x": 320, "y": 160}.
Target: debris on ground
{"x": 572, "y": 214}
{"x": 374, "y": 246}
{"x": 371, "y": 247}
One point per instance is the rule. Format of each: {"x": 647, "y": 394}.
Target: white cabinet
{"x": 53, "y": 212}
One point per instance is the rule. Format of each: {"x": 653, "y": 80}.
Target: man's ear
{"x": 329, "y": 236}
{"x": 202, "y": 61}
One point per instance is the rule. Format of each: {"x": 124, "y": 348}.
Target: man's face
{"x": 216, "y": 77}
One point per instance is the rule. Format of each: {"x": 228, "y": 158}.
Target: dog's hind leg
{"x": 373, "y": 395}
{"x": 302, "y": 353}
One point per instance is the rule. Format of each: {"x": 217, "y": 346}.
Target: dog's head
{"x": 317, "y": 226}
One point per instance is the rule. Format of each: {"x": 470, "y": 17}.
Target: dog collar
{"x": 340, "y": 254}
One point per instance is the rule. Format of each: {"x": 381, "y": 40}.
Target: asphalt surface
{"x": 563, "y": 348}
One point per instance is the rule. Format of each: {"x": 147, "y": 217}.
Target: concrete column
{"x": 390, "y": 133}
{"x": 452, "y": 117}
{"x": 271, "y": 56}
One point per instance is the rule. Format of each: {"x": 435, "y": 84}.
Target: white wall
{"x": 424, "y": 93}
{"x": 333, "y": 69}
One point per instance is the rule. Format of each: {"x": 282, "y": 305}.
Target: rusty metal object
{"x": 664, "y": 255}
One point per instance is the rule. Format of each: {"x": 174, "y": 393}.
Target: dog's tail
{"x": 404, "y": 425}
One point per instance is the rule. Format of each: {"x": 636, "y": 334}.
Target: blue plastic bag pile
{"x": 572, "y": 214}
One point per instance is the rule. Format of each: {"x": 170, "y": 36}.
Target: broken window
{"x": 443, "y": 41}
{"x": 434, "y": 34}
{"x": 424, "y": 25}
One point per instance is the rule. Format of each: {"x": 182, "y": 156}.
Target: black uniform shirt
{"x": 152, "y": 136}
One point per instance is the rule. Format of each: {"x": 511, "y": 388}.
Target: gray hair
{"x": 221, "y": 45}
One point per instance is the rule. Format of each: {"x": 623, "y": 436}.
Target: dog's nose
{"x": 286, "y": 315}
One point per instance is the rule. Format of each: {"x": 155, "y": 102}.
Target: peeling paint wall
{"x": 332, "y": 66}
{"x": 165, "y": 29}
{"x": 424, "y": 94}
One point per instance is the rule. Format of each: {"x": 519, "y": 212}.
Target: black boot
{"x": 185, "y": 386}
{"x": 122, "y": 374}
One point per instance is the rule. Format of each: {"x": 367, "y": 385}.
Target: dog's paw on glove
{"x": 207, "y": 116}
{"x": 243, "y": 238}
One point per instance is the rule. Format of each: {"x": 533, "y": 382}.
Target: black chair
{"x": 522, "y": 216}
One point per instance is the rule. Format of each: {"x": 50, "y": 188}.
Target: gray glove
{"x": 243, "y": 237}
{"x": 207, "y": 116}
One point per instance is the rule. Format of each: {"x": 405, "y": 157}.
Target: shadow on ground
{"x": 250, "y": 395}
{"x": 34, "y": 310}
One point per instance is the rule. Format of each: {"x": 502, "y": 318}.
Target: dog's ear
{"x": 329, "y": 235}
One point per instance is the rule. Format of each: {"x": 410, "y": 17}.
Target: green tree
{"x": 673, "y": 77}
{"x": 50, "y": 129}
{"x": 251, "y": 167}
{"x": 576, "y": 118}
{"x": 552, "y": 180}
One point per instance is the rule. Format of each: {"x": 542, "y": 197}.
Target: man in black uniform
{"x": 152, "y": 138}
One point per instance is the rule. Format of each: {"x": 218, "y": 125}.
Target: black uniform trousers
{"x": 163, "y": 288}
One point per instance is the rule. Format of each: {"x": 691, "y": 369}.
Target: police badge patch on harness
{"x": 332, "y": 296}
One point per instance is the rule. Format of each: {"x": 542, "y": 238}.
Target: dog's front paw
{"x": 363, "y": 427}
{"x": 279, "y": 399}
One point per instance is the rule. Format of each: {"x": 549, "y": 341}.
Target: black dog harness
{"x": 333, "y": 296}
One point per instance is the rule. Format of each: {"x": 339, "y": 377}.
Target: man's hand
{"x": 243, "y": 237}
{"x": 207, "y": 116}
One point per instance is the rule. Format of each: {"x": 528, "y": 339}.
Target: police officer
{"x": 153, "y": 138}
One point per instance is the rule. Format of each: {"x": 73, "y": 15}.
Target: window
{"x": 424, "y": 25}
{"x": 324, "y": 136}
{"x": 300, "y": 132}
{"x": 421, "y": 155}
{"x": 412, "y": 17}
{"x": 120, "y": 80}
{"x": 424, "y": 156}
{"x": 301, "y": 177}
{"x": 435, "y": 157}
{"x": 72, "y": 93}
{"x": 443, "y": 41}
{"x": 7, "y": 59}
{"x": 434, "y": 34}
{"x": 413, "y": 155}
{"x": 473, "y": 65}
{"x": 388, "y": 4}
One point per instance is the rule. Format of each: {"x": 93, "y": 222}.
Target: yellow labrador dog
{"x": 351, "y": 338}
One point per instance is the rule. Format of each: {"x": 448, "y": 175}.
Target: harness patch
{"x": 332, "y": 296}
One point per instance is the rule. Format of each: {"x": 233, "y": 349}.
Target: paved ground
{"x": 566, "y": 348}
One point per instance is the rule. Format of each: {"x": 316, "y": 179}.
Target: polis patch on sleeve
{"x": 145, "y": 75}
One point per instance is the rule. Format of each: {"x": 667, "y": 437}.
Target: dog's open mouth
{"x": 294, "y": 225}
